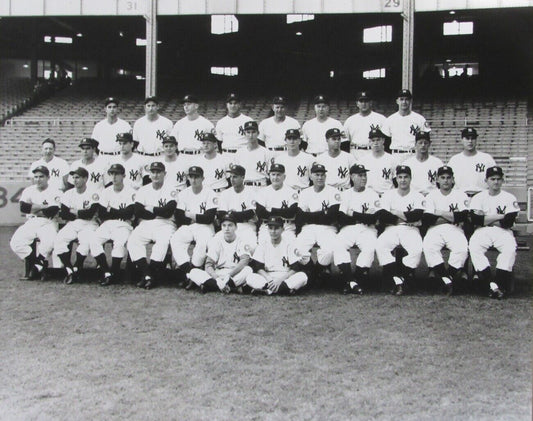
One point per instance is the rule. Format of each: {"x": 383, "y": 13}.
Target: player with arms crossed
{"x": 379, "y": 163}
{"x": 58, "y": 167}
{"x": 213, "y": 164}
{"x": 176, "y": 165}
{"x": 296, "y": 162}
{"x": 336, "y": 162}
{"x": 133, "y": 163}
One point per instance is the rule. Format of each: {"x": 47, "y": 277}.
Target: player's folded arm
{"x": 477, "y": 219}
{"x": 165, "y": 211}
{"x": 508, "y": 220}
{"x": 414, "y": 215}
{"x": 25, "y": 207}
{"x": 386, "y": 218}
{"x": 208, "y": 217}
{"x": 66, "y": 214}
{"x": 243, "y": 216}
{"x": 460, "y": 216}
{"x": 365, "y": 218}
{"x": 141, "y": 212}
{"x": 88, "y": 214}
{"x": 126, "y": 213}
{"x": 330, "y": 217}
{"x": 287, "y": 213}
{"x": 429, "y": 219}
{"x": 261, "y": 211}
{"x": 50, "y": 211}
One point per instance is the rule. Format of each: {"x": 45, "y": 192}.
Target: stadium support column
{"x": 151, "y": 47}
{"x": 408, "y": 16}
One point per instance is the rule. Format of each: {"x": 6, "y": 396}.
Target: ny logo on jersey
{"x": 55, "y": 172}
{"x": 241, "y": 130}
{"x": 198, "y": 134}
{"x": 374, "y": 127}
{"x": 501, "y": 210}
{"x": 414, "y": 129}
{"x": 85, "y": 204}
{"x": 219, "y": 174}
{"x": 285, "y": 261}
{"x": 284, "y": 204}
{"x": 480, "y": 167}
{"x": 203, "y": 207}
{"x": 453, "y": 207}
{"x": 432, "y": 176}
{"x": 162, "y": 202}
{"x": 243, "y": 206}
{"x": 236, "y": 258}
{"x": 180, "y": 176}
{"x": 410, "y": 207}
{"x": 134, "y": 174}
{"x": 325, "y": 205}
{"x": 342, "y": 172}
{"x": 301, "y": 171}
{"x": 45, "y": 202}
{"x": 261, "y": 166}
{"x": 95, "y": 177}
{"x": 385, "y": 173}
{"x": 365, "y": 207}
{"x": 160, "y": 134}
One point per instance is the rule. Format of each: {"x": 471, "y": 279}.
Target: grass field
{"x": 87, "y": 352}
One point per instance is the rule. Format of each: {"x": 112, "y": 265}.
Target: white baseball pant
{"x": 184, "y": 236}
{"x": 157, "y": 231}
{"x": 445, "y": 235}
{"x": 117, "y": 231}
{"x": 199, "y": 276}
{"x": 42, "y": 228}
{"x": 360, "y": 235}
{"x": 501, "y": 239}
{"x": 295, "y": 281}
{"x": 323, "y": 235}
{"x": 80, "y": 230}
{"x": 400, "y": 235}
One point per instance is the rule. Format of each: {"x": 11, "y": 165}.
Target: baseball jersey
{"x": 392, "y": 201}
{"x": 424, "y": 173}
{"x": 230, "y": 200}
{"x": 96, "y": 169}
{"x": 314, "y": 133}
{"x": 366, "y": 201}
{"x": 51, "y": 196}
{"x": 296, "y": 169}
{"x": 110, "y": 198}
{"x": 226, "y": 255}
{"x": 197, "y": 203}
{"x": 134, "y": 167}
{"x": 189, "y": 132}
{"x": 357, "y": 127}
{"x": 150, "y": 197}
{"x": 469, "y": 171}
{"x": 311, "y": 201}
{"x": 106, "y": 134}
{"x": 283, "y": 198}
{"x": 276, "y": 258}
{"x": 455, "y": 201}
{"x": 273, "y": 133}
{"x": 402, "y": 129}
{"x": 256, "y": 162}
{"x": 58, "y": 168}
{"x": 176, "y": 172}
{"x": 150, "y": 134}
{"x": 215, "y": 176}
{"x": 231, "y": 131}
{"x": 80, "y": 201}
{"x": 500, "y": 204}
{"x": 381, "y": 172}
{"x": 338, "y": 168}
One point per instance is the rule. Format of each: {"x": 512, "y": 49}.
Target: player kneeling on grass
{"x": 116, "y": 211}
{"x": 358, "y": 215}
{"x": 154, "y": 207}
{"x": 226, "y": 266}
{"x": 78, "y": 208}
{"x": 401, "y": 211}
{"x": 40, "y": 203}
{"x": 494, "y": 212}
{"x": 276, "y": 263}
{"x": 446, "y": 211}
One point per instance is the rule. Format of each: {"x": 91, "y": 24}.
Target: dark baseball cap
{"x": 276, "y": 221}
{"x": 157, "y": 166}
{"x": 404, "y": 93}
{"x": 237, "y": 170}
{"x": 277, "y": 168}
{"x": 82, "y": 172}
{"x": 376, "y": 132}
{"x": 363, "y": 96}
{"x": 209, "y": 137}
{"x": 124, "y": 137}
{"x": 116, "y": 168}
{"x": 445, "y": 169}
{"x": 169, "y": 139}
{"x": 358, "y": 169}
{"x": 189, "y": 98}
{"x": 469, "y": 132}
{"x": 279, "y": 100}
{"x": 320, "y": 99}
{"x": 110, "y": 100}
{"x": 422, "y": 135}
{"x": 333, "y": 133}
{"x": 316, "y": 167}
{"x": 195, "y": 170}
{"x": 233, "y": 97}
{"x": 151, "y": 99}
{"x": 403, "y": 169}
{"x": 494, "y": 171}
{"x": 293, "y": 133}
{"x": 229, "y": 216}
{"x": 87, "y": 141}
{"x": 251, "y": 125}
{"x": 42, "y": 169}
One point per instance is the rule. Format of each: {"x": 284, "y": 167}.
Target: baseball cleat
{"x": 69, "y": 279}
{"x": 149, "y": 284}
{"x": 226, "y": 289}
{"x": 399, "y": 288}
{"x": 106, "y": 280}
{"x": 142, "y": 282}
{"x": 496, "y": 294}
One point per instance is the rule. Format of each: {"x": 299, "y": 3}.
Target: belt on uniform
{"x": 190, "y": 152}
{"x": 255, "y": 183}
{"x": 229, "y": 150}
{"x": 366, "y": 147}
{"x": 108, "y": 153}
{"x": 402, "y": 150}
{"x": 277, "y": 148}
{"x": 149, "y": 154}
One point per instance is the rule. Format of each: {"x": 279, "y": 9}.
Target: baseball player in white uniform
{"x": 213, "y": 164}
{"x": 380, "y": 164}
{"x": 470, "y": 165}
{"x": 189, "y": 130}
{"x": 240, "y": 200}
{"x": 272, "y": 130}
{"x": 277, "y": 265}
{"x": 154, "y": 207}
{"x": 40, "y": 203}
{"x": 445, "y": 212}
{"x": 226, "y": 265}
{"x": 91, "y": 161}
{"x": 176, "y": 165}
{"x": 401, "y": 212}
{"x": 150, "y": 130}
{"x": 318, "y": 208}
{"x": 58, "y": 167}
{"x": 78, "y": 208}
{"x": 357, "y": 126}
{"x": 336, "y": 162}
{"x": 314, "y": 130}
{"x": 132, "y": 162}
{"x": 116, "y": 210}
{"x": 358, "y": 215}
{"x": 195, "y": 215}
{"x": 493, "y": 212}
{"x": 277, "y": 200}
{"x": 254, "y": 158}
{"x": 296, "y": 162}
{"x": 423, "y": 165}
{"x": 230, "y": 129}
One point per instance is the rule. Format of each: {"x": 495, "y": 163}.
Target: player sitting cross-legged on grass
{"x": 276, "y": 263}
{"x": 226, "y": 265}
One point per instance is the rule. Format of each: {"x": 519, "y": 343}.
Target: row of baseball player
{"x": 376, "y": 225}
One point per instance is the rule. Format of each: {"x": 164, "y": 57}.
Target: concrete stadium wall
{"x": 9, "y": 203}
